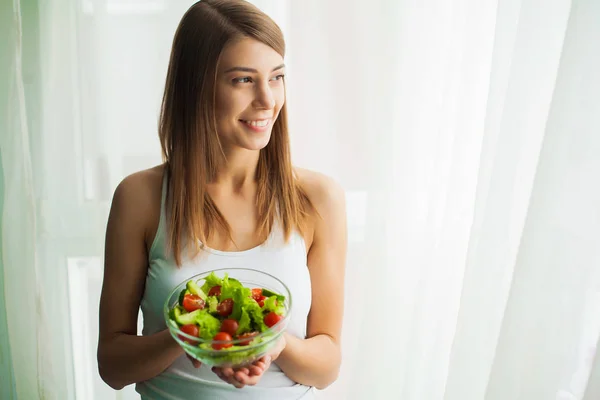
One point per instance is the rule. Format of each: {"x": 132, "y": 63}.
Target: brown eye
{"x": 245, "y": 79}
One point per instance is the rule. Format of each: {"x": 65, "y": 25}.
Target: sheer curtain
{"x": 467, "y": 137}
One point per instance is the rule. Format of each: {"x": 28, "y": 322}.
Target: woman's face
{"x": 249, "y": 94}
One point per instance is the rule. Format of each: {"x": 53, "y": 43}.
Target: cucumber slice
{"x": 175, "y": 313}
{"x": 212, "y": 302}
{"x": 195, "y": 289}
{"x": 268, "y": 293}
{"x": 187, "y": 318}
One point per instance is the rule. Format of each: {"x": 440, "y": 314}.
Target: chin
{"x": 258, "y": 145}
{"x": 257, "y": 142}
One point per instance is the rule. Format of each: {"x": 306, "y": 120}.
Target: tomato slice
{"x": 230, "y": 326}
{"x": 192, "y": 302}
{"x": 247, "y": 335}
{"x": 221, "y": 336}
{"x": 225, "y": 308}
{"x": 261, "y": 300}
{"x": 256, "y": 292}
{"x": 215, "y": 291}
{"x": 271, "y": 319}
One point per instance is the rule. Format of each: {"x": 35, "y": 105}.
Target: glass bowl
{"x": 236, "y": 355}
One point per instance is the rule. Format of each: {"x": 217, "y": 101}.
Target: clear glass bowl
{"x": 202, "y": 350}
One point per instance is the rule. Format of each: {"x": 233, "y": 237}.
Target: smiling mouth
{"x": 260, "y": 123}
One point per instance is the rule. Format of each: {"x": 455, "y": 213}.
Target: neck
{"x": 237, "y": 171}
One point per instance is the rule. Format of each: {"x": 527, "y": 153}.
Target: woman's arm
{"x": 315, "y": 361}
{"x": 124, "y": 357}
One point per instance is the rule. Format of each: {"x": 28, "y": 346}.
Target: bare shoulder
{"x": 328, "y": 198}
{"x": 140, "y": 188}
{"x": 139, "y": 196}
{"x": 142, "y": 180}
{"x": 324, "y": 192}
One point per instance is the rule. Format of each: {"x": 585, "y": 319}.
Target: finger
{"x": 262, "y": 359}
{"x": 195, "y": 362}
{"x": 230, "y": 380}
{"x": 235, "y": 382}
{"x": 220, "y": 372}
{"x": 217, "y": 372}
{"x": 244, "y": 370}
{"x": 256, "y": 371}
{"x": 241, "y": 377}
{"x": 228, "y": 375}
{"x": 247, "y": 380}
{"x": 265, "y": 359}
{"x": 263, "y": 363}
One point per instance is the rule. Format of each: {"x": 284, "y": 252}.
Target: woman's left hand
{"x": 250, "y": 374}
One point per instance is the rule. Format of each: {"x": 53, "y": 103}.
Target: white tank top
{"x": 181, "y": 381}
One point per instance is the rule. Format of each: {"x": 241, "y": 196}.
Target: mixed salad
{"x": 223, "y": 309}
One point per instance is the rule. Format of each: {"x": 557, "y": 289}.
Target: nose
{"x": 264, "y": 97}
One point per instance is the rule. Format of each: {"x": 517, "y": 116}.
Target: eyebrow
{"x": 246, "y": 69}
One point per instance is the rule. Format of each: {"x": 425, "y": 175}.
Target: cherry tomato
{"x": 230, "y": 326}
{"x": 225, "y": 307}
{"x": 256, "y": 292}
{"x": 192, "y": 302}
{"x": 272, "y": 318}
{"x": 191, "y": 330}
{"x": 215, "y": 291}
{"x": 221, "y": 336}
{"x": 247, "y": 335}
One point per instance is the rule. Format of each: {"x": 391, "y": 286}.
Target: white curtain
{"x": 465, "y": 132}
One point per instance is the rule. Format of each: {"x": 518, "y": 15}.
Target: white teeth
{"x": 258, "y": 124}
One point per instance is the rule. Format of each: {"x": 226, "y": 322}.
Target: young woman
{"x": 226, "y": 195}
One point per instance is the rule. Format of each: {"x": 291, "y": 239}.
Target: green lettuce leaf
{"x": 245, "y": 324}
{"x": 229, "y": 287}
{"x": 272, "y": 304}
{"x": 209, "y": 325}
{"x": 256, "y": 315}
{"x": 240, "y": 296}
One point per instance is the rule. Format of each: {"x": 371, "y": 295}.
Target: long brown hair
{"x": 187, "y": 129}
